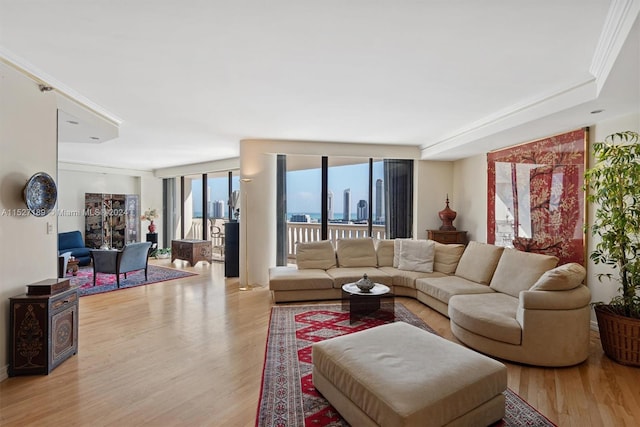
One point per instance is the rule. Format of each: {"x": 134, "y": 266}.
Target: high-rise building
{"x": 363, "y": 210}
{"x": 346, "y": 205}
{"x": 330, "y": 204}
{"x": 300, "y": 218}
{"x": 216, "y": 209}
{"x": 379, "y": 200}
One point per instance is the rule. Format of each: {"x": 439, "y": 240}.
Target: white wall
{"x": 76, "y": 180}
{"x": 28, "y": 141}
{"x": 470, "y": 191}
{"x": 433, "y": 182}
{"x": 605, "y": 290}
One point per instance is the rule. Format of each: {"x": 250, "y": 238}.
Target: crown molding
{"x": 105, "y": 170}
{"x": 513, "y": 116}
{"x": 619, "y": 21}
{"x": 42, "y": 78}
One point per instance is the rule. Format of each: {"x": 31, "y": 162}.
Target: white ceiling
{"x": 190, "y": 79}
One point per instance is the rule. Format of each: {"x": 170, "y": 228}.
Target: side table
{"x": 153, "y": 238}
{"x": 72, "y": 265}
{"x": 445, "y": 237}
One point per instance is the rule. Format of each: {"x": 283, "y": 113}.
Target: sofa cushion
{"x": 356, "y": 253}
{"x": 518, "y": 271}
{"x": 407, "y": 279}
{"x": 478, "y": 262}
{"x": 562, "y": 278}
{"x": 291, "y": 279}
{"x": 490, "y": 315}
{"x": 343, "y": 275}
{"x": 417, "y": 255}
{"x": 315, "y": 255}
{"x": 384, "y": 252}
{"x": 443, "y": 288}
{"x": 447, "y": 257}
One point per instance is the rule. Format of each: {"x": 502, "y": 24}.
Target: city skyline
{"x": 304, "y": 191}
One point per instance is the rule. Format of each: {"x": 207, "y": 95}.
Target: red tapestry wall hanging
{"x": 536, "y": 197}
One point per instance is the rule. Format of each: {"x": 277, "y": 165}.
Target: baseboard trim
{"x": 4, "y": 373}
{"x": 594, "y": 326}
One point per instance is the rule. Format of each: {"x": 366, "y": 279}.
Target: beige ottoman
{"x": 400, "y": 375}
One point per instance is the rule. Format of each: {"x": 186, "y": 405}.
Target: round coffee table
{"x": 360, "y": 303}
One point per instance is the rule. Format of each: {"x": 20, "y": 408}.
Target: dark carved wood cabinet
{"x": 442, "y": 236}
{"x": 191, "y": 250}
{"x": 43, "y": 331}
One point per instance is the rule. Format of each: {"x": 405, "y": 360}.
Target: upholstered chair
{"x": 133, "y": 257}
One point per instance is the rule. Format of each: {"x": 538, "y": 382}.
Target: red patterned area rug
{"x": 107, "y": 282}
{"x": 288, "y": 397}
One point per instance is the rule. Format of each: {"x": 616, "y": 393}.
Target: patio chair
{"x": 133, "y": 257}
{"x": 217, "y": 239}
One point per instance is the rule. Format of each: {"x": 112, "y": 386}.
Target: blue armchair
{"x": 71, "y": 241}
{"x": 133, "y": 257}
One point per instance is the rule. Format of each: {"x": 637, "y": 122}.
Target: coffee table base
{"x": 358, "y": 306}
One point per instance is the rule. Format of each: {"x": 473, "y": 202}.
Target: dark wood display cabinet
{"x": 442, "y": 236}
{"x": 191, "y": 250}
{"x": 43, "y": 327}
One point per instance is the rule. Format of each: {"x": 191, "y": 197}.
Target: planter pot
{"x": 619, "y": 335}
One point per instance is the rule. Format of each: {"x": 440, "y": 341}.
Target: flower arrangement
{"x": 150, "y": 214}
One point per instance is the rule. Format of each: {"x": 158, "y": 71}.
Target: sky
{"x": 304, "y": 188}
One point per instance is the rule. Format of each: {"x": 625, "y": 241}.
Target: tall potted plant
{"x": 614, "y": 188}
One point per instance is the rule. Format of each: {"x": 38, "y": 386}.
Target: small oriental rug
{"x": 107, "y": 282}
{"x": 288, "y": 397}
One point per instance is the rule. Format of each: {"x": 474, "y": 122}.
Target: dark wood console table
{"x": 191, "y": 250}
{"x": 442, "y": 236}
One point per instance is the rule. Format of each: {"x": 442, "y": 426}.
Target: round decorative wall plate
{"x": 40, "y": 194}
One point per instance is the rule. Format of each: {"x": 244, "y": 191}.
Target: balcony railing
{"x": 302, "y": 232}
{"x": 310, "y": 232}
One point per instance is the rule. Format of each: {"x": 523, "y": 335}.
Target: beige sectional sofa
{"x": 513, "y": 305}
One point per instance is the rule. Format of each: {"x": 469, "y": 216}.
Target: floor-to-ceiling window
{"x": 197, "y": 207}
{"x": 357, "y": 199}
{"x": 303, "y": 207}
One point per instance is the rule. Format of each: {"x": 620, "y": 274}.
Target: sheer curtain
{"x": 398, "y": 183}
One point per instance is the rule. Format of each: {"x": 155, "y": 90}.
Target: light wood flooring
{"x": 190, "y": 352}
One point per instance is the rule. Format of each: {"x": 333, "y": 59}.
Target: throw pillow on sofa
{"x": 397, "y": 247}
{"x": 315, "y": 255}
{"x": 417, "y": 255}
{"x": 356, "y": 253}
{"x": 562, "y": 278}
